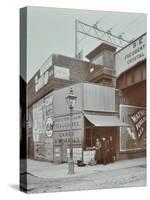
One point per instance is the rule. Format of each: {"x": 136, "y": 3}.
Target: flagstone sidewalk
{"x": 51, "y": 170}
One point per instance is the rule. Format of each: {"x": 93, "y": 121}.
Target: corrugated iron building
{"x": 97, "y": 112}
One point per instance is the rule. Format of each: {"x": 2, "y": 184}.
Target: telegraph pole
{"x": 76, "y": 38}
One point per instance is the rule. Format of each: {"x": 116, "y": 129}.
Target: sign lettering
{"x": 133, "y": 137}
{"x": 139, "y": 121}
{"x": 130, "y": 55}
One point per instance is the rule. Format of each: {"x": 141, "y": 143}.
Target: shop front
{"x": 92, "y": 133}
{"x": 86, "y": 129}
{"x": 103, "y": 126}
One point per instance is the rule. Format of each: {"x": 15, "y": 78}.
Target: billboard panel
{"x": 133, "y": 137}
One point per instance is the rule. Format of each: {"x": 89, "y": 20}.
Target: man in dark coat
{"x": 105, "y": 151}
{"x": 111, "y": 150}
{"x": 98, "y": 151}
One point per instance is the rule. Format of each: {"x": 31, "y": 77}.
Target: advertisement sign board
{"x": 130, "y": 55}
{"x": 62, "y": 129}
{"x": 43, "y": 117}
{"x": 61, "y": 72}
{"x": 64, "y": 137}
{"x": 133, "y": 137}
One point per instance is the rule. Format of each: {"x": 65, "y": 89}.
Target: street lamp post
{"x": 71, "y": 100}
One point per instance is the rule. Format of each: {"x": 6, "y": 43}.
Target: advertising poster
{"x": 43, "y": 117}
{"x": 133, "y": 137}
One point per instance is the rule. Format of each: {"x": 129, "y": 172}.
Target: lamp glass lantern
{"x": 71, "y": 99}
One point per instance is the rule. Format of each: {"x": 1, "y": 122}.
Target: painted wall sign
{"x": 61, "y": 72}
{"x": 130, "y": 55}
{"x": 133, "y": 137}
{"x": 62, "y": 129}
{"x": 38, "y": 124}
{"x": 49, "y": 127}
{"x": 48, "y": 105}
{"x": 42, "y": 117}
{"x": 64, "y": 137}
{"x": 42, "y": 80}
{"x": 63, "y": 123}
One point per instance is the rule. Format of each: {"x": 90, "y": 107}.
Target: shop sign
{"x": 130, "y": 55}
{"x": 61, "y": 72}
{"x": 61, "y": 137}
{"x": 62, "y": 129}
{"x": 133, "y": 137}
{"x": 63, "y": 123}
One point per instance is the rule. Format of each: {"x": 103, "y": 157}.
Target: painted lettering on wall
{"x": 62, "y": 129}
{"x": 64, "y": 137}
{"x": 131, "y": 55}
{"x": 42, "y": 80}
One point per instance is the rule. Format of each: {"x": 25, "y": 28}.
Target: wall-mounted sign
{"x": 48, "y": 102}
{"x": 130, "y": 55}
{"x": 49, "y": 127}
{"x": 38, "y": 123}
{"x": 42, "y": 80}
{"x": 63, "y": 123}
{"x": 133, "y": 137}
{"x": 61, "y": 72}
{"x": 42, "y": 117}
{"x": 139, "y": 120}
{"x": 64, "y": 137}
{"x": 62, "y": 129}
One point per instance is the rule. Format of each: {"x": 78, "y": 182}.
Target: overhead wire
{"x": 129, "y": 24}
{"x": 130, "y": 27}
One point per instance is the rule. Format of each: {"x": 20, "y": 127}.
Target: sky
{"x": 52, "y": 31}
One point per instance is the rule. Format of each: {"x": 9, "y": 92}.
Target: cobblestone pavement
{"x": 116, "y": 178}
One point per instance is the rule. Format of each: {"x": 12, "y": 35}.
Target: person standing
{"x": 111, "y": 148}
{"x": 98, "y": 146}
{"x": 104, "y": 151}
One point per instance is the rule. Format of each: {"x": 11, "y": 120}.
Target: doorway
{"x": 110, "y": 133}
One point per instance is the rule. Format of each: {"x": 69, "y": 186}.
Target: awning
{"x": 105, "y": 121}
